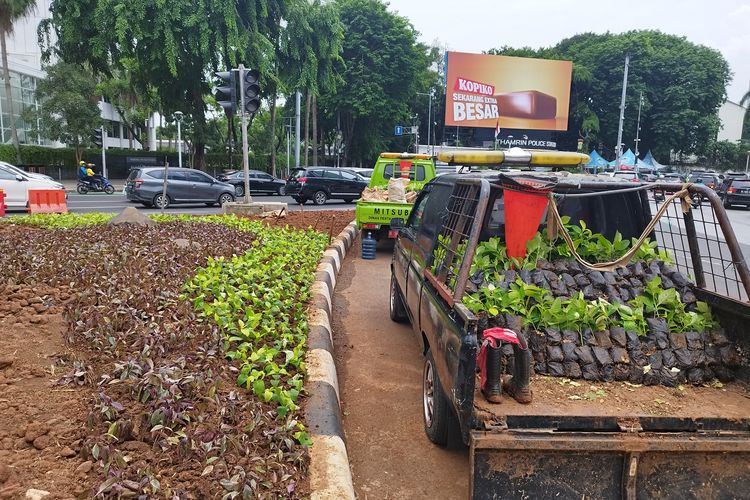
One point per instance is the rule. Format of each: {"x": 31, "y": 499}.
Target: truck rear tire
{"x": 440, "y": 423}
{"x": 396, "y": 303}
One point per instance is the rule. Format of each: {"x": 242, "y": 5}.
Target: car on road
{"x": 260, "y": 182}
{"x": 709, "y": 179}
{"x": 321, "y": 184}
{"x": 735, "y": 191}
{"x": 184, "y": 185}
{"x": 672, "y": 177}
{"x": 631, "y": 176}
{"x": 16, "y": 184}
{"x": 18, "y": 170}
{"x": 364, "y": 172}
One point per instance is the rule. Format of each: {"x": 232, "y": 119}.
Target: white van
{"x": 16, "y": 186}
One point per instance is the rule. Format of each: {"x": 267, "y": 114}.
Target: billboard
{"x": 515, "y": 92}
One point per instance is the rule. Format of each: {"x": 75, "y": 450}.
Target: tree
{"x": 68, "y": 110}
{"x": 177, "y": 45}
{"x": 309, "y": 56}
{"x": 383, "y": 63}
{"x": 11, "y": 11}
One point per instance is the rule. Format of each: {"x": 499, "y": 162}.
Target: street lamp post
{"x": 178, "y": 117}
{"x": 638, "y": 126}
{"x": 429, "y": 122}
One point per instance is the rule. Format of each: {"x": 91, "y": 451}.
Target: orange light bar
{"x": 412, "y": 156}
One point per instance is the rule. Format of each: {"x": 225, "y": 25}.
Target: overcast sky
{"x": 477, "y": 25}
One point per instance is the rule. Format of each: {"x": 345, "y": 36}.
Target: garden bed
{"x": 114, "y": 375}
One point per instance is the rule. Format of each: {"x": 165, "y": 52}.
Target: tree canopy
{"x": 68, "y": 110}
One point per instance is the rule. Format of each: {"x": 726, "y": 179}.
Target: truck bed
{"x": 563, "y": 397}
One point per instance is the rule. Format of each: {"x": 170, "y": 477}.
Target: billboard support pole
{"x": 622, "y": 112}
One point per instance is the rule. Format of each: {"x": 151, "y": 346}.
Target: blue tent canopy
{"x": 596, "y": 160}
{"x": 649, "y": 158}
{"x": 627, "y": 159}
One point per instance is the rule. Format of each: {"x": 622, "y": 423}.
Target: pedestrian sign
{"x": 399, "y": 130}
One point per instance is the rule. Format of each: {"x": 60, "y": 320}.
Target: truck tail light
{"x": 137, "y": 183}
{"x": 370, "y": 226}
{"x": 731, "y": 190}
{"x": 302, "y": 180}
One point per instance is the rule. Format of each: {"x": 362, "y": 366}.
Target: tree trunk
{"x": 315, "y": 129}
{"x": 6, "y": 77}
{"x": 273, "y": 133}
{"x": 307, "y": 128}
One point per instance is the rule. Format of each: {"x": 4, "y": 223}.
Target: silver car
{"x": 184, "y": 185}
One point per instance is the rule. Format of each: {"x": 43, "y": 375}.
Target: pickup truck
{"x": 377, "y": 216}
{"x": 608, "y": 439}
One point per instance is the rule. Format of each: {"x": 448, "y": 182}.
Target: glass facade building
{"x": 22, "y": 96}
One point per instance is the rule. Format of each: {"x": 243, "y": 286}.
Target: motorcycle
{"x": 98, "y": 185}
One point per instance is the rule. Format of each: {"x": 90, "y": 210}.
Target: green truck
{"x": 378, "y": 216}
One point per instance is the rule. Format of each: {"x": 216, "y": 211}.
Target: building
{"x": 25, "y": 65}
{"x": 731, "y": 117}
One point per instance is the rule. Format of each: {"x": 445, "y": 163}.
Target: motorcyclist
{"x": 95, "y": 179}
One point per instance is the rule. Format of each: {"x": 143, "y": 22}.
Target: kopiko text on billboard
{"x": 512, "y": 92}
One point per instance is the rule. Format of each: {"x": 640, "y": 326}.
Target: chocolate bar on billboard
{"x": 527, "y": 104}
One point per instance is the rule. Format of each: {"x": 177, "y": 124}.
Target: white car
{"x": 23, "y": 172}
{"x": 16, "y": 186}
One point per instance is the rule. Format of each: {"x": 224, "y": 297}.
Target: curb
{"x": 330, "y": 475}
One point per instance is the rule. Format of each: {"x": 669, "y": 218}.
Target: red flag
{"x": 497, "y": 128}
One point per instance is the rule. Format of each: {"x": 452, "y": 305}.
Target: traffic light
{"x": 97, "y": 137}
{"x": 252, "y": 91}
{"x": 225, "y": 92}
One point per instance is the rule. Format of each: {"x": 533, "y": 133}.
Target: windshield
{"x": 297, "y": 173}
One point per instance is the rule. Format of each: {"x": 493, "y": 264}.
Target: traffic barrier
{"x": 47, "y": 201}
{"x": 2, "y": 203}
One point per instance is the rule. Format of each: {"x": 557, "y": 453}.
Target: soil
{"x": 39, "y": 435}
{"x": 562, "y": 396}
{"x": 379, "y": 367}
{"x": 325, "y": 221}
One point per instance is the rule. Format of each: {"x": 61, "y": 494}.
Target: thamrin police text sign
{"x": 517, "y": 92}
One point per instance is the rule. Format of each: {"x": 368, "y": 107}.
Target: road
{"x": 115, "y": 203}
{"x": 379, "y": 366}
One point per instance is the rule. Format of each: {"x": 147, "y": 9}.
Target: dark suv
{"x": 320, "y": 184}
{"x": 735, "y": 191}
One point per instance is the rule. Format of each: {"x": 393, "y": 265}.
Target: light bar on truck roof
{"x": 514, "y": 157}
{"x": 405, "y": 156}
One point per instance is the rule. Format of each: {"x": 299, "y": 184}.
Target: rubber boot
{"x": 518, "y": 386}
{"x": 493, "y": 388}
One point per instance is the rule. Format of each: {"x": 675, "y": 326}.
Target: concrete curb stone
{"x": 330, "y": 475}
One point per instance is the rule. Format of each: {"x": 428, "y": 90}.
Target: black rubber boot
{"x": 493, "y": 388}
{"x": 519, "y": 384}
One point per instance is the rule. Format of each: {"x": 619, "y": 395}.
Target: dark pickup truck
{"x": 615, "y": 440}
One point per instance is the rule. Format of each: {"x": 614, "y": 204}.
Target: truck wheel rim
{"x": 320, "y": 198}
{"x": 429, "y": 390}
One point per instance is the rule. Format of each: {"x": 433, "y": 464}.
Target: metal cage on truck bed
{"x": 545, "y": 454}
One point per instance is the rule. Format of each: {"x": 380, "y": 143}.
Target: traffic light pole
{"x": 245, "y": 160}
{"x": 104, "y": 155}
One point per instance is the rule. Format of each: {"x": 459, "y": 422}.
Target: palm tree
{"x": 11, "y": 11}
